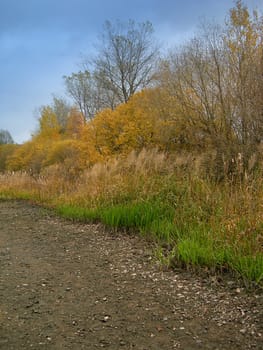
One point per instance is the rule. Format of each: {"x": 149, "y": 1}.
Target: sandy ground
{"x": 65, "y": 285}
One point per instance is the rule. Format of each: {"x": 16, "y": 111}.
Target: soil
{"x": 66, "y": 285}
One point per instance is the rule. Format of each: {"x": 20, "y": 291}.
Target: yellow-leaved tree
{"x": 31, "y": 156}
{"x": 120, "y": 131}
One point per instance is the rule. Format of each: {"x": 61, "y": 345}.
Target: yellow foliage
{"x": 28, "y": 156}
{"x": 146, "y": 120}
{"x": 6, "y": 152}
{"x": 48, "y": 124}
{"x": 90, "y": 153}
{"x": 75, "y": 123}
{"x": 244, "y": 34}
{"x": 62, "y": 151}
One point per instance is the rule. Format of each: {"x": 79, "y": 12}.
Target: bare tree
{"x": 62, "y": 110}
{"x": 5, "y": 137}
{"x": 79, "y": 87}
{"x": 126, "y": 58}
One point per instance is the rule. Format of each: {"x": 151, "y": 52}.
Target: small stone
{"x": 230, "y": 283}
{"x": 105, "y": 318}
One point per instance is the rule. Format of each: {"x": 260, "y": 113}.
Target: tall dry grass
{"x": 171, "y": 197}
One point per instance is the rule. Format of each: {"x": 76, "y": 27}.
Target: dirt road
{"x": 72, "y": 286}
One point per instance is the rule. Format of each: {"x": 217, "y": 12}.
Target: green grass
{"x": 164, "y": 230}
{"x": 77, "y": 213}
{"x": 12, "y": 194}
{"x": 249, "y": 267}
{"x": 137, "y": 215}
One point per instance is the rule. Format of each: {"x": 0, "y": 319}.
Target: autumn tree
{"x": 244, "y": 42}
{"x": 63, "y": 157}
{"x": 75, "y": 124}
{"x": 6, "y": 152}
{"x": 128, "y": 127}
{"x": 126, "y": 58}
{"x": 216, "y": 77}
{"x": 187, "y": 79}
{"x": 29, "y": 157}
{"x": 48, "y": 123}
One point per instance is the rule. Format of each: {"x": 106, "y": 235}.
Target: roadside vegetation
{"x": 179, "y": 160}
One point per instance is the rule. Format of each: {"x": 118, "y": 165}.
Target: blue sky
{"x": 42, "y": 40}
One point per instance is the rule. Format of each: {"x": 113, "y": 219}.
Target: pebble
{"x": 105, "y": 318}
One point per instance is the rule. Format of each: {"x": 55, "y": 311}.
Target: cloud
{"x": 41, "y": 40}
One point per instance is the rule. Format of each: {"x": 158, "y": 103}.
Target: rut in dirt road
{"x": 75, "y": 286}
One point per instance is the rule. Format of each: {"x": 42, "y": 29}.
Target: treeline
{"x": 205, "y": 97}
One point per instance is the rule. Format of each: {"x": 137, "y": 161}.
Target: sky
{"x": 43, "y": 40}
